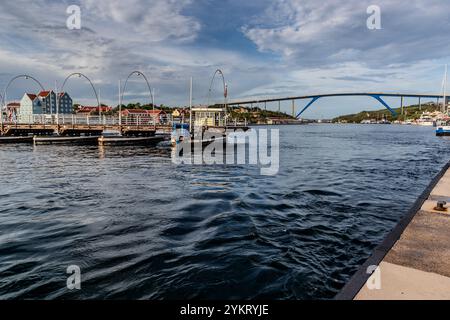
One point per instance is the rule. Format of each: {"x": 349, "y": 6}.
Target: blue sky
{"x": 265, "y": 48}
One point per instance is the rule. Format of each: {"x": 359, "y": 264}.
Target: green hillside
{"x": 411, "y": 113}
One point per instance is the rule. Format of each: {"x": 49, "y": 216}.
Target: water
{"x": 141, "y": 227}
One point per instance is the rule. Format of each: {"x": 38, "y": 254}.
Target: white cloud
{"x": 309, "y": 32}
{"x": 156, "y": 20}
{"x": 319, "y": 47}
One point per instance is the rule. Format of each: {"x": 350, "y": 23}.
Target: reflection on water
{"x": 141, "y": 227}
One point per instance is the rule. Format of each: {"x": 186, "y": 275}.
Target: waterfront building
{"x": 180, "y": 115}
{"x": 65, "y": 103}
{"x": 12, "y": 111}
{"x": 48, "y": 100}
{"x": 29, "y": 105}
{"x": 92, "y": 109}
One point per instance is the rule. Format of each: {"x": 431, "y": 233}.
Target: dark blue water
{"x": 141, "y": 227}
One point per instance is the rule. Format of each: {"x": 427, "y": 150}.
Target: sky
{"x": 265, "y": 48}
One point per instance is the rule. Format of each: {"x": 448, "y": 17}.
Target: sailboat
{"x": 444, "y": 128}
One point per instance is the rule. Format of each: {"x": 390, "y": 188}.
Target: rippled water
{"x": 141, "y": 227}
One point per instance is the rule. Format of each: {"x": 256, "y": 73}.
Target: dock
{"x": 14, "y": 139}
{"x": 16, "y": 129}
{"x": 81, "y": 140}
{"x": 121, "y": 141}
{"x": 413, "y": 262}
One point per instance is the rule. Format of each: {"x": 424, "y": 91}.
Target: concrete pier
{"x": 414, "y": 259}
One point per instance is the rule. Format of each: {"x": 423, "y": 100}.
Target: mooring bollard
{"x": 441, "y": 206}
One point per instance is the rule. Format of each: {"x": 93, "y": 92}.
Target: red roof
{"x": 13, "y": 104}
{"x": 93, "y": 108}
{"x": 155, "y": 111}
{"x": 142, "y": 111}
{"x": 136, "y": 111}
{"x": 31, "y": 96}
{"x": 44, "y": 93}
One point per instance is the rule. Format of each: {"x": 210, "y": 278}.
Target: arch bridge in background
{"x": 376, "y": 95}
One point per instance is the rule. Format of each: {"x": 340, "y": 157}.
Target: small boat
{"x": 426, "y": 121}
{"x": 443, "y": 129}
{"x": 180, "y": 132}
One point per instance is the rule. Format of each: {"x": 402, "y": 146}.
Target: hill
{"x": 412, "y": 112}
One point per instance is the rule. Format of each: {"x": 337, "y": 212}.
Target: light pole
{"x": 4, "y": 98}
{"x": 137, "y": 73}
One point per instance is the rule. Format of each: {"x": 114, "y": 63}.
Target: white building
{"x": 29, "y": 105}
{"x": 43, "y": 103}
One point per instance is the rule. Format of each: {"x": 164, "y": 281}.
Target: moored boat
{"x": 443, "y": 129}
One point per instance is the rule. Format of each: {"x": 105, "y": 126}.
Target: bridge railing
{"x": 77, "y": 119}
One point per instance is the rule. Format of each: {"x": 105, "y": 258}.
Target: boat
{"x": 180, "y": 132}
{"x": 443, "y": 129}
{"x": 206, "y": 124}
{"x": 426, "y": 120}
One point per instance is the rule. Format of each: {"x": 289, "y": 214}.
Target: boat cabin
{"x": 208, "y": 117}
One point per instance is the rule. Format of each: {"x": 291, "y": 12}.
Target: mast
{"x": 190, "y": 106}
{"x": 120, "y": 106}
{"x": 99, "y": 107}
{"x": 444, "y": 103}
{"x": 57, "y": 103}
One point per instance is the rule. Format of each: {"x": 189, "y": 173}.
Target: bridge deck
{"x": 327, "y": 95}
{"x": 77, "y": 129}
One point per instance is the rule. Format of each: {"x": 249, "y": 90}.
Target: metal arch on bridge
{"x": 122, "y": 93}
{"x": 225, "y": 89}
{"x": 138, "y": 73}
{"x": 376, "y": 95}
{"x": 90, "y": 82}
{"x": 26, "y": 76}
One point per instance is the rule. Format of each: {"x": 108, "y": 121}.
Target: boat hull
{"x": 443, "y": 131}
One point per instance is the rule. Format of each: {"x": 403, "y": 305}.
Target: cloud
{"x": 266, "y": 48}
{"x": 310, "y": 32}
{"x": 144, "y": 20}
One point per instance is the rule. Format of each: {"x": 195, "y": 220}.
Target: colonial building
{"x": 65, "y": 103}
{"x": 29, "y": 105}
{"x": 12, "y": 111}
{"x": 92, "y": 109}
{"x": 48, "y": 100}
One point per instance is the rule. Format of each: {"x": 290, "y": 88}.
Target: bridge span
{"x": 376, "y": 95}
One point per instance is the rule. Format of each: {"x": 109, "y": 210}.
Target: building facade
{"x": 49, "y": 103}
{"x": 30, "y": 105}
{"x": 65, "y": 103}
